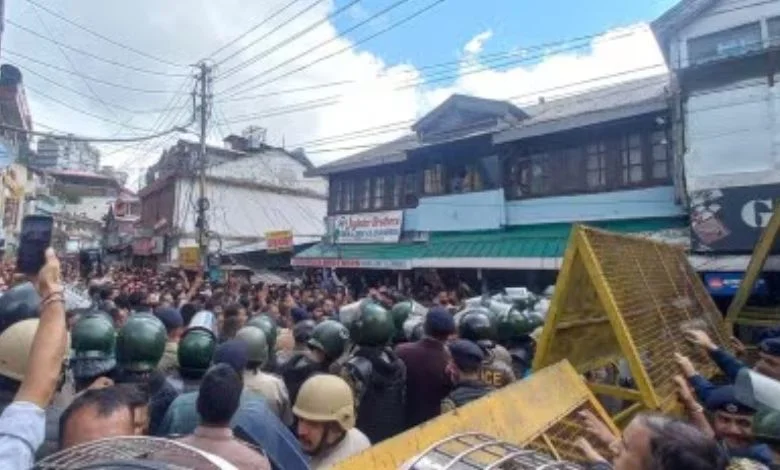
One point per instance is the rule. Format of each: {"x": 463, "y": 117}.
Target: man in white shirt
{"x": 325, "y": 409}
{"x": 33, "y": 351}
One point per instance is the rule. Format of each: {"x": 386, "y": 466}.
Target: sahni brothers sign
{"x": 373, "y": 227}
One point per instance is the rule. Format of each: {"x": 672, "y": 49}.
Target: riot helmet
{"x": 140, "y": 343}
{"x": 326, "y": 398}
{"x": 93, "y": 345}
{"x": 257, "y": 344}
{"x": 373, "y": 326}
{"x": 476, "y": 325}
{"x": 331, "y": 338}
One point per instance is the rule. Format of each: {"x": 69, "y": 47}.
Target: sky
{"x": 331, "y": 76}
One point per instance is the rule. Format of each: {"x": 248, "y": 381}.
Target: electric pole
{"x": 204, "y": 79}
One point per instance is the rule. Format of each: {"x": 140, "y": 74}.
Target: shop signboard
{"x": 727, "y": 284}
{"x": 373, "y": 227}
{"x": 279, "y": 241}
{"x": 730, "y": 220}
{"x": 389, "y": 264}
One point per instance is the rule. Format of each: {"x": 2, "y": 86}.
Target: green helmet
{"x": 93, "y": 342}
{"x": 195, "y": 351}
{"x": 374, "y": 326}
{"x": 515, "y": 324}
{"x": 269, "y": 327}
{"x": 256, "y": 342}
{"x": 18, "y": 303}
{"x": 476, "y": 325}
{"x": 400, "y": 313}
{"x": 140, "y": 343}
{"x": 330, "y": 337}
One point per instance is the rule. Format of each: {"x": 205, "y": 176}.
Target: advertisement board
{"x": 279, "y": 241}
{"x": 730, "y": 219}
{"x": 727, "y": 284}
{"x": 374, "y": 227}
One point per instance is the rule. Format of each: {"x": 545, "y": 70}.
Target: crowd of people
{"x": 305, "y": 375}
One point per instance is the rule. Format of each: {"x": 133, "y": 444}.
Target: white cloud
{"x": 475, "y": 45}
{"x": 374, "y": 99}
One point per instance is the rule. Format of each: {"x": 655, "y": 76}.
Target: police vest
{"x": 495, "y": 373}
{"x": 379, "y": 379}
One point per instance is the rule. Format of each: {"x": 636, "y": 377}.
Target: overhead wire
{"x": 250, "y": 31}
{"x": 285, "y": 42}
{"x": 104, "y": 37}
{"x": 86, "y": 77}
{"x": 90, "y": 54}
{"x": 349, "y": 47}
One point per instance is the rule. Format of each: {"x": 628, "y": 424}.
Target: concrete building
{"x": 252, "y": 189}
{"x": 485, "y": 186}
{"x": 66, "y": 155}
{"x": 723, "y": 55}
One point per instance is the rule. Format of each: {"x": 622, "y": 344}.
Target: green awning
{"x": 522, "y": 247}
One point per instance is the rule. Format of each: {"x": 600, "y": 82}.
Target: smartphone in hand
{"x": 35, "y": 238}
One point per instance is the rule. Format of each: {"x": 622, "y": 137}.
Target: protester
{"x": 426, "y": 363}
{"x": 218, "y": 400}
{"x": 97, "y": 414}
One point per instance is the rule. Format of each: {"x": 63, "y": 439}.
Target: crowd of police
{"x": 304, "y": 376}
{"x": 257, "y": 375}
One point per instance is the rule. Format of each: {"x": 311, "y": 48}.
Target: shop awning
{"x": 525, "y": 247}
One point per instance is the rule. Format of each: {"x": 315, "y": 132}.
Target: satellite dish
{"x": 133, "y": 452}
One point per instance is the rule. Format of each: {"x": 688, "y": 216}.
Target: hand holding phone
{"x": 35, "y": 239}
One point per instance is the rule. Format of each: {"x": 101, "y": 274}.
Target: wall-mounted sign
{"x": 727, "y": 284}
{"x": 279, "y": 241}
{"x": 374, "y": 227}
{"x": 391, "y": 264}
{"x": 731, "y": 219}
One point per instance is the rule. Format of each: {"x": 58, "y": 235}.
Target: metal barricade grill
{"x": 559, "y": 439}
{"x": 621, "y": 297}
{"x": 471, "y": 451}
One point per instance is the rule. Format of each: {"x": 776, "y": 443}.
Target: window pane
{"x": 660, "y": 170}
{"x": 773, "y": 27}
{"x": 397, "y": 190}
{"x": 379, "y": 192}
{"x": 365, "y": 194}
{"x": 631, "y": 159}
{"x": 723, "y": 44}
{"x": 335, "y": 193}
{"x": 433, "y": 180}
{"x": 349, "y": 196}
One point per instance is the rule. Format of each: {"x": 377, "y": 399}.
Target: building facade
{"x": 56, "y": 154}
{"x": 252, "y": 190}
{"x": 482, "y": 184}
{"x": 723, "y": 55}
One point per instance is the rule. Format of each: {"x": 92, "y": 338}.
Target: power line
{"x": 75, "y": 138}
{"x": 103, "y": 37}
{"x": 288, "y": 40}
{"x": 483, "y": 59}
{"x": 349, "y": 47}
{"x": 90, "y": 54}
{"x": 92, "y": 79}
{"x": 385, "y": 128}
{"x": 251, "y": 30}
{"x": 87, "y": 96}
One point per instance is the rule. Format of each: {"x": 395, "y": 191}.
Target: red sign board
{"x": 279, "y": 241}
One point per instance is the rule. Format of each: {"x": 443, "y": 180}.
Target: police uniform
{"x": 495, "y": 372}
{"x": 467, "y": 356}
{"x": 724, "y": 399}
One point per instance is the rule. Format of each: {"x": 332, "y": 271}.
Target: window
{"x": 398, "y": 190}
{"x": 433, "y": 179}
{"x": 596, "y": 165}
{"x": 379, "y": 192}
{"x": 631, "y": 159}
{"x": 465, "y": 179}
{"x": 568, "y": 172}
{"x": 410, "y": 189}
{"x": 335, "y": 196}
{"x": 660, "y": 154}
{"x": 364, "y": 191}
{"x": 723, "y": 44}
{"x": 773, "y": 29}
{"x": 348, "y": 195}
{"x": 531, "y": 175}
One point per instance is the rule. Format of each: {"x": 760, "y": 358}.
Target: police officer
{"x": 328, "y": 342}
{"x": 325, "y": 409}
{"x": 401, "y": 312}
{"x": 271, "y": 387}
{"x": 195, "y": 352}
{"x": 93, "y": 342}
{"x": 271, "y": 330}
{"x": 514, "y": 329}
{"x": 139, "y": 347}
{"x": 301, "y": 334}
{"x": 475, "y": 325}
{"x": 375, "y": 373}
{"x": 467, "y": 359}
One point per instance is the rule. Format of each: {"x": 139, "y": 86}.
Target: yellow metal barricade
{"x": 626, "y": 298}
{"x": 538, "y": 413}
